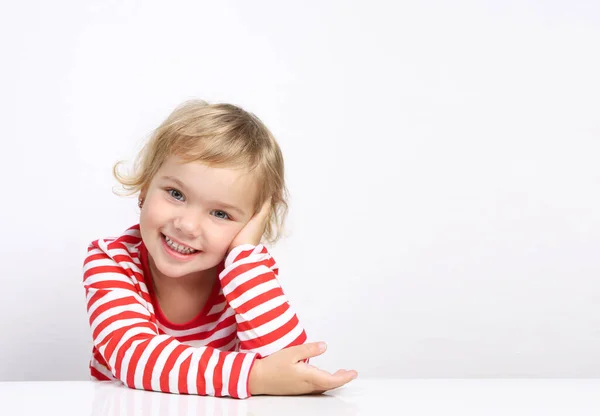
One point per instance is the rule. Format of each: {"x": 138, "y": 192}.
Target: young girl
{"x": 188, "y": 300}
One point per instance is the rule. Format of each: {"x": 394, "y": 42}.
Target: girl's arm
{"x": 126, "y": 335}
{"x": 266, "y": 323}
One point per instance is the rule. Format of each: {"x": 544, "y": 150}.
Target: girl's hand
{"x": 284, "y": 373}
{"x": 254, "y": 229}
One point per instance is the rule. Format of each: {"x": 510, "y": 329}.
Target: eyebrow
{"x": 219, "y": 203}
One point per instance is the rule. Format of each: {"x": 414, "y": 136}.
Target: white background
{"x": 442, "y": 159}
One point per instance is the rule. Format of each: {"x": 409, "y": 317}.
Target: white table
{"x": 404, "y": 397}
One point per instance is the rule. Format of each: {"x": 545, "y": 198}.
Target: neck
{"x": 197, "y": 281}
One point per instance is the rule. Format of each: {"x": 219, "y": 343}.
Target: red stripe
{"x": 264, "y": 318}
{"x": 98, "y": 295}
{"x": 218, "y": 373}
{"x": 242, "y": 268}
{"x": 120, "y": 316}
{"x": 272, "y": 336}
{"x": 98, "y": 375}
{"x": 135, "y": 359}
{"x": 120, "y": 333}
{"x": 221, "y": 342}
{"x": 122, "y": 240}
{"x": 234, "y": 377}
{"x": 250, "y": 284}
{"x": 111, "y": 284}
{"x": 243, "y": 254}
{"x": 129, "y": 300}
{"x": 259, "y": 300}
{"x": 301, "y": 339}
{"x": 227, "y": 322}
{"x": 149, "y": 369}
{"x": 104, "y": 269}
{"x": 121, "y": 353}
{"x": 124, "y": 258}
{"x": 94, "y": 257}
{"x": 169, "y": 366}
{"x": 112, "y": 341}
{"x": 202, "y": 364}
{"x": 183, "y": 373}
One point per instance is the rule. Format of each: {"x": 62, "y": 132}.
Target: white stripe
{"x": 263, "y": 308}
{"x": 118, "y": 325}
{"x": 134, "y": 232}
{"x": 192, "y": 375}
{"x": 253, "y": 293}
{"x": 132, "y": 332}
{"x": 218, "y": 308}
{"x": 174, "y": 374}
{"x": 103, "y": 261}
{"x": 108, "y": 277}
{"x": 279, "y": 344}
{"x": 209, "y": 372}
{"x": 233, "y": 254}
{"x": 255, "y": 257}
{"x": 102, "y": 369}
{"x": 248, "y": 275}
{"x": 267, "y": 327}
{"x": 100, "y": 276}
{"x": 160, "y": 364}
{"x": 111, "y": 295}
{"x": 244, "y": 374}
{"x": 128, "y": 263}
{"x": 227, "y": 364}
{"x": 119, "y": 251}
{"x": 198, "y": 329}
{"x": 109, "y": 313}
{"x": 220, "y": 334}
{"x": 94, "y": 250}
{"x": 230, "y": 346}
{"x": 110, "y": 261}
{"x": 143, "y": 361}
{"x": 127, "y": 358}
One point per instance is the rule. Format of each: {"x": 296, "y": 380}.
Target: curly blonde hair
{"x": 218, "y": 135}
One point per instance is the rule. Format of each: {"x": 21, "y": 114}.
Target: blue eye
{"x": 220, "y": 214}
{"x": 176, "y": 194}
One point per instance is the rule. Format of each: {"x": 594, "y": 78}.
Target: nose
{"x": 189, "y": 223}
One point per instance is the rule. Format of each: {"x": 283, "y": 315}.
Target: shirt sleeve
{"x": 266, "y": 323}
{"x": 125, "y": 333}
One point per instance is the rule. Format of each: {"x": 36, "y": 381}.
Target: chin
{"x": 175, "y": 271}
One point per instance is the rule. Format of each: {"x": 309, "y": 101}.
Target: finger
{"x": 324, "y": 380}
{"x": 309, "y": 350}
{"x": 265, "y": 209}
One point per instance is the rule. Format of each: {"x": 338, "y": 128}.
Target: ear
{"x": 142, "y": 197}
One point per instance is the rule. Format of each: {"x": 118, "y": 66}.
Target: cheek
{"x": 154, "y": 212}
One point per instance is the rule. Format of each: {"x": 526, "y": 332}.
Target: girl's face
{"x": 191, "y": 214}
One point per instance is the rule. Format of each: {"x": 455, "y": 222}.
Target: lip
{"x": 179, "y": 242}
{"x": 174, "y": 254}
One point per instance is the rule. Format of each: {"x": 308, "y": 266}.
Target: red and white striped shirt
{"x": 246, "y": 317}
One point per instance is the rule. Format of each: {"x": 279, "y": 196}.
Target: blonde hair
{"x": 218, "y": 135}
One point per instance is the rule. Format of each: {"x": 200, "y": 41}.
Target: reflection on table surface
{"x": 116, "y": 400}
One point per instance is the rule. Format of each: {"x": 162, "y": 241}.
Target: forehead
{"x": 227, "y": 185}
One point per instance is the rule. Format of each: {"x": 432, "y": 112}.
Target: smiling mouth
{"x": 179, "y": 248}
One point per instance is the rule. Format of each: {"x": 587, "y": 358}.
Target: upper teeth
{"x": 178, "y": 247}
